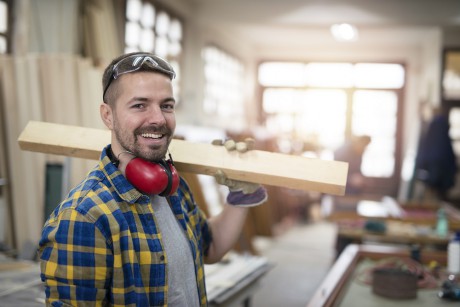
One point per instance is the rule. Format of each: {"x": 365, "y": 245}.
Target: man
{"x": 436, "y": 163}
{"x": 130, "y": 234}
{"x": 352, "y": 152}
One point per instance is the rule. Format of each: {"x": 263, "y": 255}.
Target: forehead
{"x": 148, "y": 80}
{"x": 145, "y": 85}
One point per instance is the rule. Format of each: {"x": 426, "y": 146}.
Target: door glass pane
{"x": 3, "y": 17}
{"x": 150, "y": 30}
{"x": 162, "y": 24}
{"x": 148, "y": 16}
{"x": 379, "y": 75}
{"x": 3, "y": 44}
{"x": 282, "y": 74}
{"x": 314, "y": 116}
{"x": 175, "y": 31}
{"x": 375, "y": 114}
{"x": 132, "y": 34}
{"x": 147, "y": 40}
{"x": 224, "y": 87}
{"x": 454, "y": 129}
{"x": 323, "y": 116}
{"x": 133, "y": 10}
{"x": 161, "y": 46}
{"x": 451, "y": 76}
{"x": 322, "y": 104}
{"x": 329, "y": 75}
{"x": 281, "y": 100}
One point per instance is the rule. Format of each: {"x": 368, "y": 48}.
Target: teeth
{"x": 151, "y": 135}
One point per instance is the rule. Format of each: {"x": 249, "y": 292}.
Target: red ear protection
{"x": 153, "y": 178}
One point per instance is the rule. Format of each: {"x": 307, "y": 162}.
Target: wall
{"x": 197, "y": 35}
{"x": 419, "y": 49}
{"x": 46, "y": 79}
{"x": 46, "y": 26}
{"x": 451, "y": 37}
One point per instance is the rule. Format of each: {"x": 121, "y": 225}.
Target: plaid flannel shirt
{"x": 101, "y": 245}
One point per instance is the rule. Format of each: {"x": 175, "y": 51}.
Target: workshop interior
{"x": 373, "y": 84}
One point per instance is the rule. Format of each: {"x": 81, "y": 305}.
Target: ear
{"x": 106, "y": 115}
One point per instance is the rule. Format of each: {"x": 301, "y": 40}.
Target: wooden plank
{"x": 263, "y": 167}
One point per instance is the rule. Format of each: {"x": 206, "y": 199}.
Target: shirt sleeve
{"x": 75, "y": 261}
{"x": 205, "y": 231}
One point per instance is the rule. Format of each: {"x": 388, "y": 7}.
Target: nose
{"x": 155, "y": 116}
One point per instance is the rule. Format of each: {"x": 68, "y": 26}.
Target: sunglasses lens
{"x": 135, "y": 62}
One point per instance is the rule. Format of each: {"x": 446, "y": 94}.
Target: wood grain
{"x": 263, "y": 167}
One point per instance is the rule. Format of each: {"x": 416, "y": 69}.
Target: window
{"x": 151, "y": 28}
{"x": 375, "y": 114}
{"x": 450, "y": 83}
{"x": 4, "y": 26}
{"x": 320, "y": 105}
{"x": 329, "y": 75}
{"x": 224, "y": 86}
{"x": 298, "y": 114}
{"x": 374, "y": 75}
{"x": 454, "y": 131}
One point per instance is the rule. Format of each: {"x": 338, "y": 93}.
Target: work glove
{"x": 241, "y": 193}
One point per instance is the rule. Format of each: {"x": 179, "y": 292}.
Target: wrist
{"x": 239, "y": 198}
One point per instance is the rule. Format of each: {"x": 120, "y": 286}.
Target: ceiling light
{"x": 344, "y": 32}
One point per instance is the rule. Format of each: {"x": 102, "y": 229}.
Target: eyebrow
{"x": 145, "y": 99}
{"x": 169, "y": 99}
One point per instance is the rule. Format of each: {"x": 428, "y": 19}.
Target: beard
{"x": 129, "y": 141}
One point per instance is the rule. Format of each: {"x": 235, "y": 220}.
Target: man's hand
{"x": 242, "y": 193}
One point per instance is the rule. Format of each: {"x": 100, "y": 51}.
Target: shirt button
{"x": 162, "y": 257}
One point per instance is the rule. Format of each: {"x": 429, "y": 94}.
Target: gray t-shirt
{"x": 182, "y": 287}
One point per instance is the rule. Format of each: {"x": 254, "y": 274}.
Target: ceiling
{"x": 318, "y": 13}
{"x": 274, "y": 21}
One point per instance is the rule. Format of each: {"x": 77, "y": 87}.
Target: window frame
{"x": 448, "y": 105}
{"x": 448, "y": 102}
{"x": 377, "y": 185}
{"x": 159, "y": 7}
{"x": 240, "y": 62}
{"x": 8, "y": 34}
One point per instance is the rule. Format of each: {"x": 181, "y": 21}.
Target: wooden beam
{"x": 258, "y": 166}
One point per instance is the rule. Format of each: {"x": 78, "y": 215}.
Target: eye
{"x": 137, "y": 106}
{"x": 168, "y": 106}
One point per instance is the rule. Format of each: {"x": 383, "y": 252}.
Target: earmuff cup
{"x": 153, "y": 178}
{"x": 173, "y": 178}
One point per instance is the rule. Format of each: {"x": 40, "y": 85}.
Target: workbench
{"x": 343, "y": 286}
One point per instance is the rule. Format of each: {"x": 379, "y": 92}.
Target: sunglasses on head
{"x": 135, "y": 62}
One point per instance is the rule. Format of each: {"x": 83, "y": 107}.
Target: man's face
{"x": 142, "y": 118}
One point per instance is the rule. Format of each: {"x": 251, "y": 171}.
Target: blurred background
{"x": 301, "y": 77}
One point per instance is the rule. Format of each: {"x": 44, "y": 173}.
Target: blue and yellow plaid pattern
{"x": 101, "y": 245}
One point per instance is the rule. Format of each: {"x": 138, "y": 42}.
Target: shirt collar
{"x": 122, "y": 186}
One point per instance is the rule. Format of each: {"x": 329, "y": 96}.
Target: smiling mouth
{"x": 152, "y": 135}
